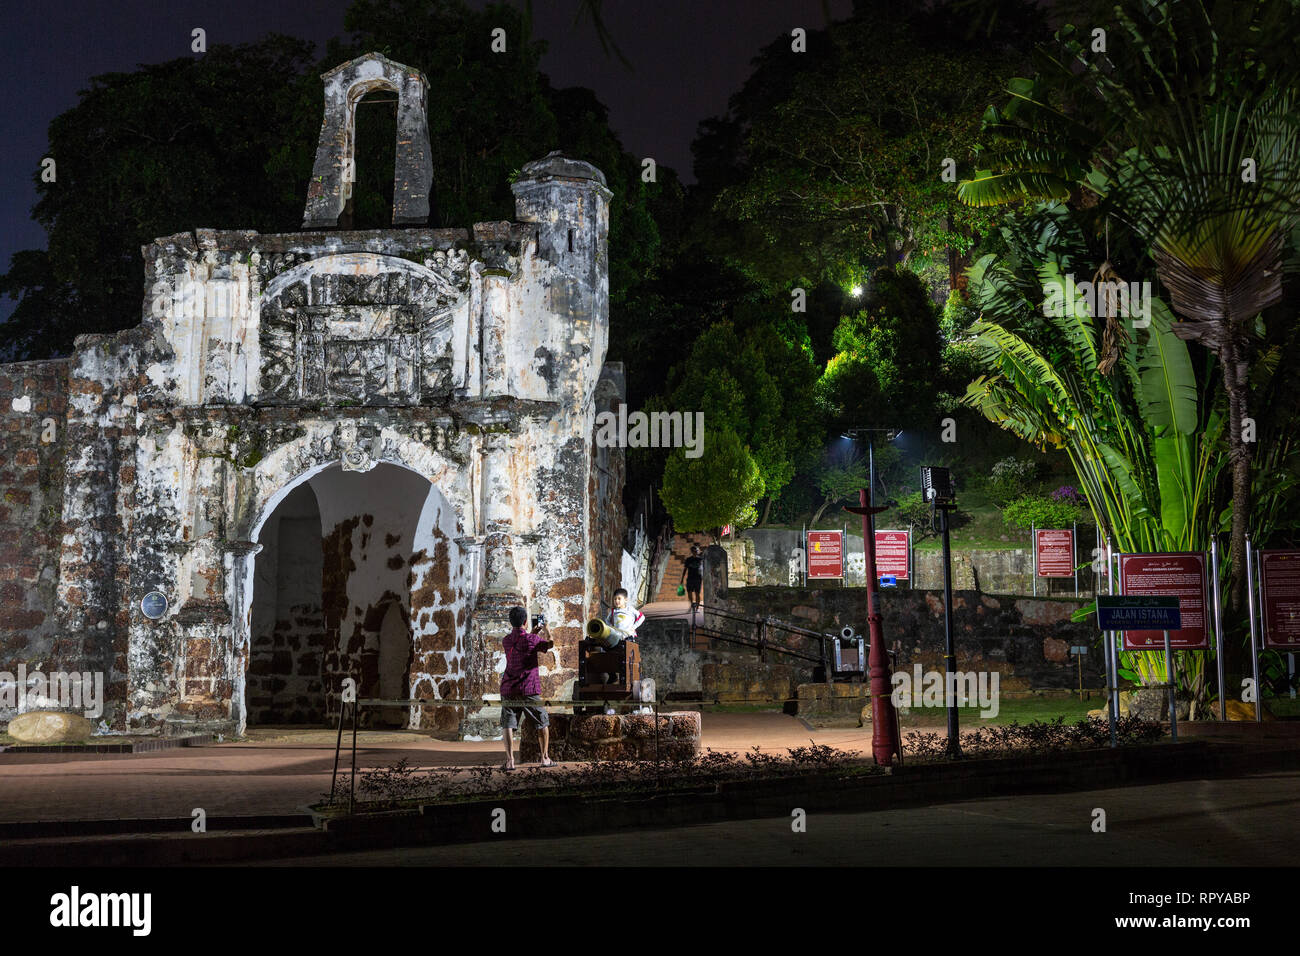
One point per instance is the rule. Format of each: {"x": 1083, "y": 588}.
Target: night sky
{"x": 687, "y": 56}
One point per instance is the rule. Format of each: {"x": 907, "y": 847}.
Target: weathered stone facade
{"x": 426, "y": 395}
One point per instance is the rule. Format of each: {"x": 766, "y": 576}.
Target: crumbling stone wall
{"x": 99, "y": 518}
{"x": 33, "y": 404}
{"x": 605, "y": 491}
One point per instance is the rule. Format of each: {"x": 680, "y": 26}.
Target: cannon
{"x": 606, "y": 673}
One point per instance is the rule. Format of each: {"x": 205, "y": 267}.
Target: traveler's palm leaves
{"x": 1184, "y": 130}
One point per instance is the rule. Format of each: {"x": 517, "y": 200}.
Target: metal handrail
{"x": 728, "y": 638}
{"x": 762, "y": 644}
{"x": 769, "y": 621}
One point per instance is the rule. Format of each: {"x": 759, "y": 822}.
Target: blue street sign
{"x": 1138, "y": 612}
{"x": 889, "y": 580}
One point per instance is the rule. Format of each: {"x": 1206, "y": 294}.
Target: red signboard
{"x": 1179, "y": 574}
{"x": 1054, "y": 552}
{"x": 891, "y": 553}
{"x": 1280, "y": 582}
{"x": 825, "y": 554}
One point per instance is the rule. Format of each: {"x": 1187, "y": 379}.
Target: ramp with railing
{"x": 764, "y": 634}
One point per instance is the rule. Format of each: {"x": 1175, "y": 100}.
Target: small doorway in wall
{"x": 395, "y": 652}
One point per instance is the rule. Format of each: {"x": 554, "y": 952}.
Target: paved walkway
{"x": 672, "y": 609}
{"x": 279, "y": 772}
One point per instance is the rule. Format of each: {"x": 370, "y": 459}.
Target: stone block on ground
{"x": 676, "y": 749}
{"x": 686, "y": 725}
{"x": 594, "y": 727}
{"x": 1237, "y": 710}
{"x": 614, "y": 748}
{"x": 50, "y": 727}
{"x": 837, "y": 702}
{"x": 640, "y": 726}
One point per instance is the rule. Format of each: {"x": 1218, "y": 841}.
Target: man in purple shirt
{"x": 522, "y": 680}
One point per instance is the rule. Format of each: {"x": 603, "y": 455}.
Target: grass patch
{"x": 1017, "y": 710}
{"x": 985, "y": 530}
{"x": 1282, "y": 706}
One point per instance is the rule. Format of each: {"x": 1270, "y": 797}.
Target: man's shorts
{"x": 510, "y": 715}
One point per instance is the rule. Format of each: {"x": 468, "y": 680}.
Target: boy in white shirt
{"x": 623, "y": 619}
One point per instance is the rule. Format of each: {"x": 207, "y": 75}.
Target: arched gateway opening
{"x": 359, "y": 575}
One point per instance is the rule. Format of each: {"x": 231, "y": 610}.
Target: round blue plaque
{"x": 154, "y": 605}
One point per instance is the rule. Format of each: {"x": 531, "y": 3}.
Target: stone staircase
{"x": 677, "y": 562}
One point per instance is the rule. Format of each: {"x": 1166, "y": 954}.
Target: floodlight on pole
{"x": 938, "y": 489}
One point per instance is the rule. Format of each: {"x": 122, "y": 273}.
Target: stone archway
{"x": 390, "y": 544}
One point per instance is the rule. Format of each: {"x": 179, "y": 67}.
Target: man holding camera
{"x": 523, "y": 680}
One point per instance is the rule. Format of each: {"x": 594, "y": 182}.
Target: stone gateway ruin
{"x": 324, "y": 454}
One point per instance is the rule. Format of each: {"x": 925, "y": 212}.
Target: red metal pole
{"x": 884, "y": 727}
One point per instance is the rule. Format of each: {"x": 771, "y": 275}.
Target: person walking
{"x": 693, "y": 575}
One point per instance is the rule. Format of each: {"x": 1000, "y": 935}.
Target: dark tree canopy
{"x": 888, "y": 357}
{"x": 166, "y": 148}
{"x": 830, "y": 161}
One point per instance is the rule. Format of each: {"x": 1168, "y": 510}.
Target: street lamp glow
{"x": 856, "y": 291}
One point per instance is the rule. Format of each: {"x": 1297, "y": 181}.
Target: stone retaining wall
{"x": 1026, "y": 640}
{"x": 834, "y": 703}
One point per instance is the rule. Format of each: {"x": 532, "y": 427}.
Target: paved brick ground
{"x": 281, "y": 774}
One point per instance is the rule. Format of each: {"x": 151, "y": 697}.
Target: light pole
{"x": 884, "y": 722}
{"x": 937, "y": 488}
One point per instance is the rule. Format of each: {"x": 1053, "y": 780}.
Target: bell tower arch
{"x": 335, "y": 169}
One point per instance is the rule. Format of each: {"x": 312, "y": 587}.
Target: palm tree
{"x": 1182, "y": 128}
{"x": 1126, "y": 411}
